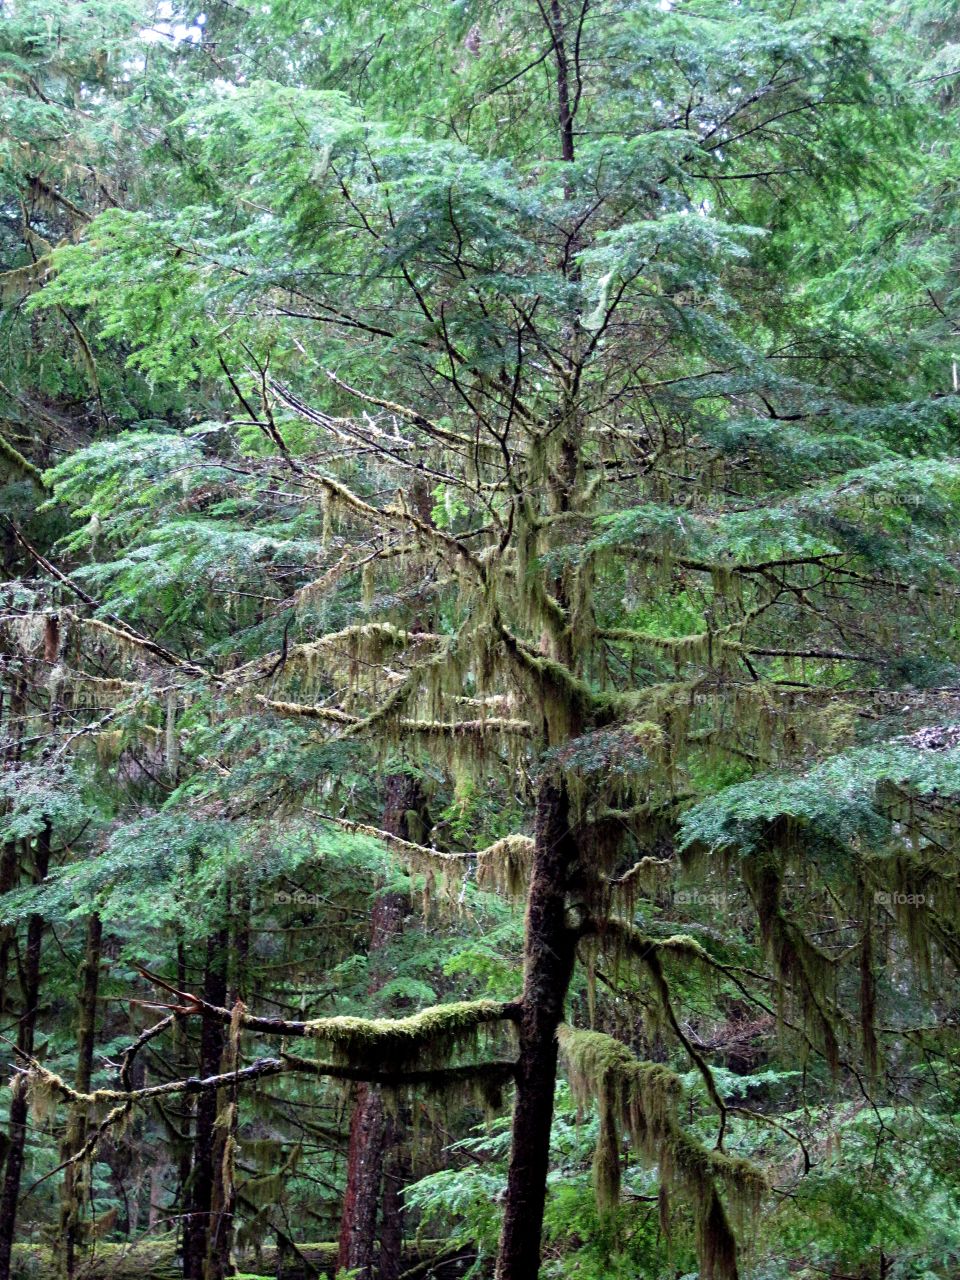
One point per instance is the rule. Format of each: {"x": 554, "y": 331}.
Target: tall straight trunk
{"x": 361, "y": 1200}
{"x": 26, "y": 1027}
{"x": 549, "y": 942}
{"x": 223, "y": 1200}
{"x": 11, "y": 720}
{"x": 240, "y": 950}
{"x": 9, "y": 866}
{"x": 223, "y": 1193}
{"x": 396, "y": 1175}
{"x": 182, "y": 1056}
{"x": 201, "y": 1228}
{"x": 549, "y": 950}
{"x": 370, "y": 1133}
{"x": 71, "y": 1195}
{"x": 567, "y": 108}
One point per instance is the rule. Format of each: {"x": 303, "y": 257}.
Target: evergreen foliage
{"x": 481, "y": 504}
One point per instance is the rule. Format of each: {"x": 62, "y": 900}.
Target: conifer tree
{"x": 547, "y": 432}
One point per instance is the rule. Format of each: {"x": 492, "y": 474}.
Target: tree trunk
{"x": 358, "y": 1225}
{"x": 25, "y": 1033}
{"x": 10, "y": 857}
{"x": 555, "y": 26}
{"x": 183, "y": 1148}
{"x": 200, "y": 1231}
{"x": 396, "y": 1175}
{"x": 223, "y": 1193}
{"x": 404, "y": 816}
{"x": 549, "y": 950}
{"x": 9, "y": 867}
{"x": 71, "y": 1195}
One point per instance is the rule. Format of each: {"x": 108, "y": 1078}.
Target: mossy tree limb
{"x": 642, "y": 1100}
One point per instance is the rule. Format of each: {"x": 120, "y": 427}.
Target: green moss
{"x": 642, "y": 1100}
{"x": 505, "y": 865}
{"x": 20, "y": 463}
{"x": 430, "y": 1036}
{"x": 805, "y": 971}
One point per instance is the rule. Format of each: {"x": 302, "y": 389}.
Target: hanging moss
{"x": 624, "y": 939}
{"x": 642, "y": 1099}
{"x": 619, "y": 935}
{"x": 42, "y": 1093}
{"x": 804, "y": 970}
{"x": 648, "y": 876}
{"x": 920, "y": 890}
{"x": 505, "y": 865}
{"x": 16, "y": 284}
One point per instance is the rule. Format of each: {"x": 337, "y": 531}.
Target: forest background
{"x": 479, "y": 638}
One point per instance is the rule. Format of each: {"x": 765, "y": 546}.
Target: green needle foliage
{"x": 481, "y": 554}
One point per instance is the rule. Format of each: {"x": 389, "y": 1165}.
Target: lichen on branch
{"x": 642, "y": 1100}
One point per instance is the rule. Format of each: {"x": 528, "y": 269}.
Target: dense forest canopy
{"x": 480, "y": 704}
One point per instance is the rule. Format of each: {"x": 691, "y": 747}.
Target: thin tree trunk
{"x": 549, "y": 942}
{"x": 224, "y": 1195}
{"x": 548, "y": 964}
{"x": 71, "y": 1196}
{"x": 566, "y": 107}
{"x": 200, "y": 1228}
{"x": 9, "y": 866}
{"x": 404, "y": 811}
{"x": 10, "y": 858}
{"x": 183, "y": 1149}
{"x": 25, "y": 1034}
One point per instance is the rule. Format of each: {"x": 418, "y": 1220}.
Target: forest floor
{"x": 156, "y": 1259}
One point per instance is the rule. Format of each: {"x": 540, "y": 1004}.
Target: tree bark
{"x": 404, "y": 809}
{"x": 361, "y": 1201}
{"x": 566, "y": 107}
{"x": 11, "y": 707}
{"x": 25, "y": 1036}
{"x": 396, "y": 1175}
{"x": 9, "y": 867}
{"x": 200, "y": 1230}
{"x": 71, "y": 1195}
{"x": 183, "y": 1148}
{"x": 549, "y": 950}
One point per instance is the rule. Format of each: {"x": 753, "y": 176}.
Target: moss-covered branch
{"x": 650, "y": 951}
{"x": 487, "y": 726}
{"x": 369, "y": 641}
{"x": 399, "y": 516}
{"x": 431, "y": 1035}
{"x": 42, "y": 1083}
{"x": 642, "y": 1100}
{"x": 22, "y": 464}
{"x": 45, "y": 1087}
{"x": 438, "y": 1030}
{"x": 508, "y": 851}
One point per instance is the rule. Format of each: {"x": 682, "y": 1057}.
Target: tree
{"x": 524, "y": 429}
